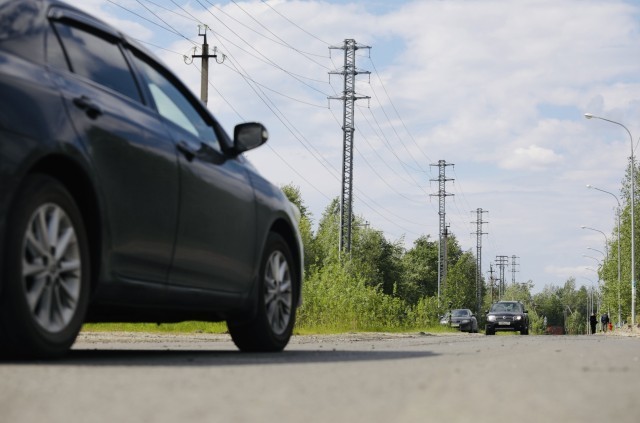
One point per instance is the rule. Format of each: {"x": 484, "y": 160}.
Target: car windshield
{"x": 460, "y": 313}
{"x": 506, "y": 307}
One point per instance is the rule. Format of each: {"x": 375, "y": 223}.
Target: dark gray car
{"x": 462, "y": 319}
{"x": 122, "y": 199}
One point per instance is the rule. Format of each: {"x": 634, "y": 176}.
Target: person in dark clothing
{"x": 604, "y": 319}
{"x": 594, "y": 321}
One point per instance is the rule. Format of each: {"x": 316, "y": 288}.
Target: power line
{"x": 280, "y": 40}
{"x": 294, "y": 24}
{"x": 396, "y": 111}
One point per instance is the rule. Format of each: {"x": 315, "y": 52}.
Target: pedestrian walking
{"x": 594, "y": 321}
{"x": 604, "y": 319}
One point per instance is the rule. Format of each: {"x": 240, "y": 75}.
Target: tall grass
{"x": 336, "y": 299}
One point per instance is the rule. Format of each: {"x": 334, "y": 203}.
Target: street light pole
{"x": 594, "y": 249}
{"x": 606, "y": 240}
{"x": 618, "y": 211}
{"x": 633, "y": 224}
{"x": 593, "y": 258}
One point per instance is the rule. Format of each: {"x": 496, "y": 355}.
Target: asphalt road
{"x": 350, "y": 378}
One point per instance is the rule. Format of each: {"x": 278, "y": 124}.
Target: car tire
{"x": 45, "y": 284}
{"x": 489, "y": 332}
{"x": 272, "y": 326}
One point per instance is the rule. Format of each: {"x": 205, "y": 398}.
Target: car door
{"x": 134, "y": 159}
{"x": 215, "y": 242}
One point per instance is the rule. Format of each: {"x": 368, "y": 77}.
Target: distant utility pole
{"x": 442, "y": 246}
{"x": 479, "y": 222}
{"x": 491, "y": 283}
{"x": 513, "y": 269}
{"x": 349, "y": 71}
{"x": 501, "y": 262}
{"x": 204, "y": 71}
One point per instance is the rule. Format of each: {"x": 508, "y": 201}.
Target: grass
{"x": 182, "y": 327}
{"x": 221, "y": 327}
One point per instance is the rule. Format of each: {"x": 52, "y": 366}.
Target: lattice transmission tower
{"x": 478, "y": 233}
{"x": 349, "y": 96}
{"x": 443, "y": 232}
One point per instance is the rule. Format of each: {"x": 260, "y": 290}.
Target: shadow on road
{"x": 152, "y": 358}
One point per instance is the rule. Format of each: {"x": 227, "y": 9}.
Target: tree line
{"x": 382, "y": 285}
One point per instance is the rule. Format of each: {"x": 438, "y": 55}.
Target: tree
{"x": 420, "y": 270}
{"x": 461, "y": 281}
{"x": 293, "y": 194}
{"x": 376, "y": 258}
{"x": 326, "y": 237}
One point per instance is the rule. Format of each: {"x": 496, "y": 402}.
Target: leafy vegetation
{"x": 379, "y": 286}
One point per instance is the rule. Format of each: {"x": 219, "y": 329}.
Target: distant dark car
{"x": 122, "y": 199}
{"x": 464, "y": 320}
{"x": 507, "y": 316}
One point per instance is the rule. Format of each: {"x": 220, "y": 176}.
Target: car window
{"x": 98, "y": 59}
{"x": 174, "y": 105}
{"x": 55, "y": 56}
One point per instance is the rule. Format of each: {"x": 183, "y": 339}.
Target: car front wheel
{"x": 46, "y": 278}
{"x": 272, "y": 326}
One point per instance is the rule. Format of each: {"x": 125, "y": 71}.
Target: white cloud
{"x": 532, "y": 157}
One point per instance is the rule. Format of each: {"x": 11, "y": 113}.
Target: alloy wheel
{"x": 278, "y": 294}
{"x": 51, "y": 268}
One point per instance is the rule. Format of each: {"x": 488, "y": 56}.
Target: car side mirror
{"x": 247, "y": 136}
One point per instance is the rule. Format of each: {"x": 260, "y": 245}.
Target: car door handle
{"x": 85, "y": 103}
{"x": 188, "y": 152}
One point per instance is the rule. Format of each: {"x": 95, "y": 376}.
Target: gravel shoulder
{"x": 86, "y": 339}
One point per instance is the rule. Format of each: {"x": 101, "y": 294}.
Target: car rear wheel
{"x": 46, "y": 280}
{"x": 272, "y": 326}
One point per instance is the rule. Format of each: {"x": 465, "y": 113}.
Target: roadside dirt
{"x": 86, "y": 337}
{"x": 625, "y": 331}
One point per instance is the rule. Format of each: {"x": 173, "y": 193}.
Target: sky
{"x": 497, "y": 89}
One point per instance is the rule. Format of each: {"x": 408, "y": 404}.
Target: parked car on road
{"x": 463, "y": 319}
{"x": 122, "y": 198}
{"x": 507, "y": 316}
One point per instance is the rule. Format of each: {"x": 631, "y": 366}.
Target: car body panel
{"x": 173, "y": 237}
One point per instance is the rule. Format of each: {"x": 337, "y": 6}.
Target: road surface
{"x": 348, "y": 378}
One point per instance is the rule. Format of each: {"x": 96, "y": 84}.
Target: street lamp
{"x": 594, "y": 249}
{"x": 633, "y": 237}
{"x": 618, "y": 214}
{"x": 606, "y": 240}
{"x": 598, "y": 260}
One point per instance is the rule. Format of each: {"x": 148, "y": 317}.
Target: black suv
{"x": 507, "y": 315}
